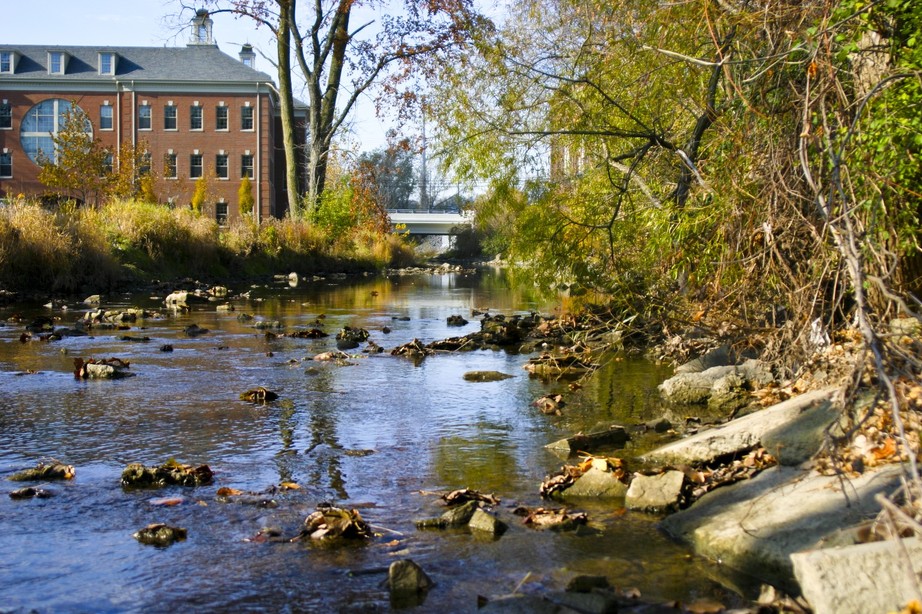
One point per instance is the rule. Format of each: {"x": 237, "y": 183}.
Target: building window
{"x": 195, "y": 166}
{"x": 220, "y": 166}
{"x": 105, "y": 117}
{"x": 107, "y": 63}
{"x": 144, "y": 116}
{"x": 169, "y": 117}
{"x": 107, "y": 163}
{"x": 56, "y": 62}
{"x": 246, "y": 118}
{"x": 6, "y": 61}
{"x": 42, "y": 122}
{"x": 220, "y": 213}
{"x": 195, "y": 118}
{"x": 6, "y": 165}
{"x": 246, "y": 166}
{"x": 169, "y": 166}
{"x": 6, "y": 116}
{"x": 221, "y": 118}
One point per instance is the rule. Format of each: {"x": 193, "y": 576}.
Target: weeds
{"x": 92, "y": 249}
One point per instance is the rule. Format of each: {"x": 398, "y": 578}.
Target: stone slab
{"x": 875, "y": 577}
{"x": 754, "y": 526}
{"x": 738, "y": 435}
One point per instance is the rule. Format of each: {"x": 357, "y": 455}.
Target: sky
{"x": 143, "y": 23}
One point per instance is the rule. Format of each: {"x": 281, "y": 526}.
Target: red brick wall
{"x": 183, "y": 141}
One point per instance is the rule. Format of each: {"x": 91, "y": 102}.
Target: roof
{"x": 198, "y": 63}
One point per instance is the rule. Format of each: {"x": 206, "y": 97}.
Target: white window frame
{"x": 251, "y": 167}
{"x": 9, "y": 156}
{"x": 7, "y": 62}
{"x": 149, "y": 118}
{"x": 221, "y": 108}
{"x": 60, "y": 58}
{"x": 217, "y": 166}
{"x": 102, "y": 116}
{"x": 192, "y": 165}
{"x": 166, "y": 117}
{"x": 244, "y": 111}
{"x": 195, "y": 111}
{"x": 104, "y": 57}
{"x": 5, "y": 104}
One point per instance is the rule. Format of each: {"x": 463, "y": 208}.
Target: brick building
{"x": 195, "y": 110}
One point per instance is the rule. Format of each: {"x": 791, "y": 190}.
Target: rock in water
{"x": 406, "y": 577}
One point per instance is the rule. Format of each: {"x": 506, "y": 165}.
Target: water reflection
{"x": 374, "y": 435}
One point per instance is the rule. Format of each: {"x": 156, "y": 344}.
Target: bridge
{"x": 421, "y": 222}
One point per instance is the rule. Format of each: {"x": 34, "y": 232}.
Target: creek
{"x": 378, "y": 435}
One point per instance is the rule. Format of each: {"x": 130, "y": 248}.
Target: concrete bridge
{"x": 426, "y": 223}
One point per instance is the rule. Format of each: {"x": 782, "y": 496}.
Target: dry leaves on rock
{"x": 457, "y": 497}
{"x": 555, "y": 519}
{"x": 330, "y": 522}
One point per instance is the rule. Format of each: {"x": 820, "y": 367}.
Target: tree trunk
{"x": 323, "y": 106}
{"x": 292, "y": 176}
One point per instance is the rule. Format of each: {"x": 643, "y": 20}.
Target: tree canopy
{"x": 338, "y": 61}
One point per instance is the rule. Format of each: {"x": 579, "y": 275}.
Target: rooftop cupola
{"x": 201, "y": 29}
{"x": 248, "y": 56}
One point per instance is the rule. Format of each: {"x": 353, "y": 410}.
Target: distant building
{"x": 195, "y": 109}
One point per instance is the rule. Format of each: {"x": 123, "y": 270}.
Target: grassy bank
{"x": 96, "y": 249}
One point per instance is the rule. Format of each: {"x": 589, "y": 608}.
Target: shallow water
{"x": 379, "y": 435}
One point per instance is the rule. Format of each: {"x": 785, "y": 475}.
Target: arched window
{"x": 42, "y": 123}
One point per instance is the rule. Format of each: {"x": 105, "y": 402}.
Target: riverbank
{"x": 127, "y": 243}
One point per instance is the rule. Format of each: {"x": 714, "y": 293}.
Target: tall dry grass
{"x": 96, "y": 249}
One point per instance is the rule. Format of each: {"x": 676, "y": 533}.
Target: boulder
{"x": 460, "y": 515}
{"x": 719, "y": 386}
{"x": 177, "y": 300}
{"x": 739, "y": 435}
{"x": 94, "y": 299}
{"x": 718, "y": 357}
{"x": 875, "y": 577}
{"x": 160, "y": 535}
{"x": 754, "y": 526}
{"x": 486, "y": 522}
{"x": 660, "y": 492}
{"x": 615, "y": 436}
{"x": 406, "y": 577}
{"x": 596, "y": 483}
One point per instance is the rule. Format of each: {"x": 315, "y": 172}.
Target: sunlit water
{"x": 380, "y": 435}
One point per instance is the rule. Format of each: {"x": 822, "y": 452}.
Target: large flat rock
{"x": 876, "y": 577}
{"x": 755, "y": 526}
{"x": 739, "y": 435}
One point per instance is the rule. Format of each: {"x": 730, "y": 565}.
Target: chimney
{"x": 248, "y": 56}
{"x": 201, "y": 29}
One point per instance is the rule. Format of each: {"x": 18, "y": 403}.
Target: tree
{"x": 199, "y": 194}
{"x": 245, "y": 200}
{"x": 387, "y": 175}
{"x": 131, "y": 175}
{"x": 335, "y": 58}
{"x": 79, "y": 166}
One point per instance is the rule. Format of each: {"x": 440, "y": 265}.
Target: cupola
{"x": 201, "y": 29}
{"x": 248, "y": 56}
